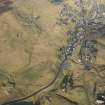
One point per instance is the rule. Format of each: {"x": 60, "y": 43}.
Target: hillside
{"x": 32, "y": 35}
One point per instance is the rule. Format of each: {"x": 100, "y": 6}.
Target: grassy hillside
{"x": 30, "y": 39}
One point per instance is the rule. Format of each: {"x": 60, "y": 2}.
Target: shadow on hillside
{"x": 23, "y": 103}
{"x": 5, "y": 6}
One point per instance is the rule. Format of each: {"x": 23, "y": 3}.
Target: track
{"x": 38, "y": 91}
{"x": 70, "y": 101}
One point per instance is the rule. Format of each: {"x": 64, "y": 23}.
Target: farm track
{"x": 38, "y": 91}
{"x": 65, "y": 98}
